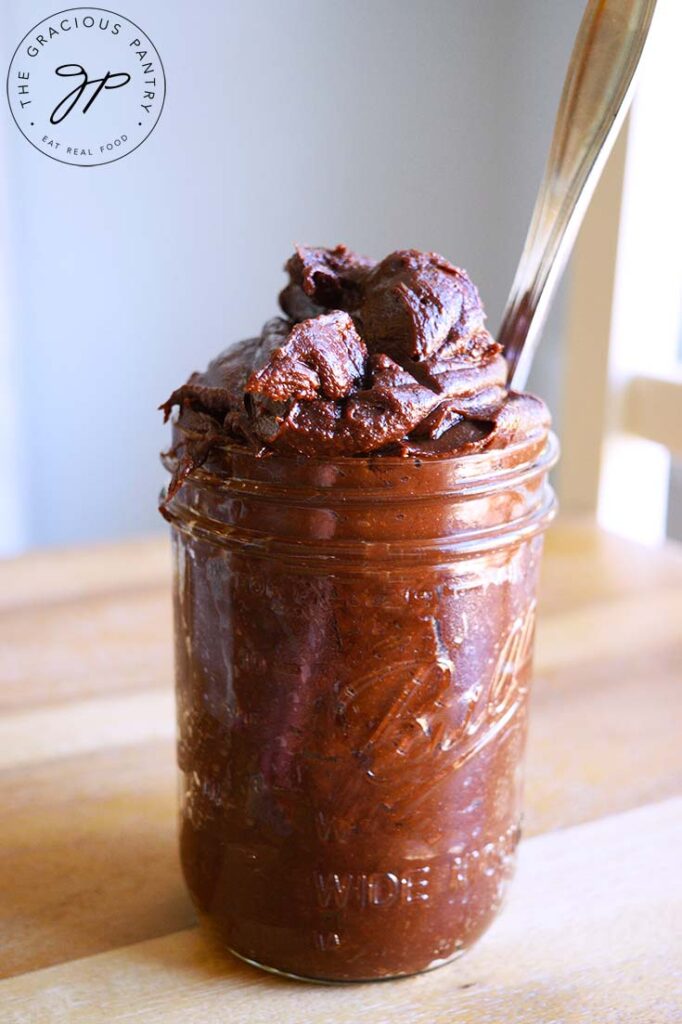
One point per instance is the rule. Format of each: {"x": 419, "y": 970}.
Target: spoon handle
{"x": 596, "y": 94}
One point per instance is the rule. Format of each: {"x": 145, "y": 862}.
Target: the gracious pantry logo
{"x": 86, "y": 86}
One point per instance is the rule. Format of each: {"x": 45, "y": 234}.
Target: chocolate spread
{"x": 389, "y": 357}
{"x": 357, "y": 502}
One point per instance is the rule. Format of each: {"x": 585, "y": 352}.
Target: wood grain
{"x": 62, "y": 574}
{"x": 88, "y": 861}
{"x": 82, "y": 647}
{"x": 80, "y": 726}
{"x": 580, "y": 942}
{"x": 584, "y": 566}
{"x": 88, "y": 858}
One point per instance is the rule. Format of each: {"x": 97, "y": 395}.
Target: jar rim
{"x": 250, "y": 501}
{"x": 239, "y": 468}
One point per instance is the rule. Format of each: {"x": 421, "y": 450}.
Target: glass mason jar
{"x": 353, "y": 653}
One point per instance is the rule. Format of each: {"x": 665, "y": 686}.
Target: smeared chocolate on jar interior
{"x": 390, "y": 357}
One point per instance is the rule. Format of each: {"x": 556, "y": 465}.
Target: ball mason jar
{"x": 353, "y": 642}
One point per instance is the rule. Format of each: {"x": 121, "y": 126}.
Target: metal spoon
{"x": 595, "y": 98}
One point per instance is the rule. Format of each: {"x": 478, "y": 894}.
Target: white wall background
{"x": 381, "y": 123}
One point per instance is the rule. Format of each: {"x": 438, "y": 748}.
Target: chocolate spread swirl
{"x": 390, "y": 357}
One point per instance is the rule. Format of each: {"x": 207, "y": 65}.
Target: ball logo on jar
{"x": 425, "y": 721}
{"x": 86, "y": 86}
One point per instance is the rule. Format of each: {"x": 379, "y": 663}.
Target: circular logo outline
{"x": 57, "y": 14}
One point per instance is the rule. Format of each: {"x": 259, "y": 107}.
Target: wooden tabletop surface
{"x": 95, "y": 925}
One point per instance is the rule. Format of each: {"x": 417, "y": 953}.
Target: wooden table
{"x": 95, "y": 925}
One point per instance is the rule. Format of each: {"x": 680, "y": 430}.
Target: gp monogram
{"x": 86, "y": 86}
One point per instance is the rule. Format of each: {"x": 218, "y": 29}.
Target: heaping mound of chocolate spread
{"x": 390, "y": 358}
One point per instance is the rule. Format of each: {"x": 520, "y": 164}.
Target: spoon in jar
{"x": 595, "y": 98}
